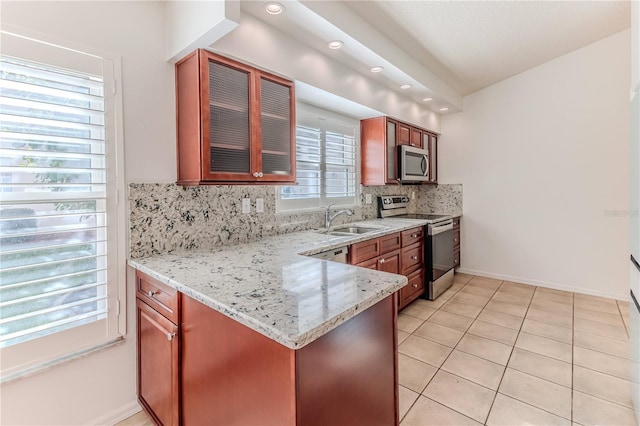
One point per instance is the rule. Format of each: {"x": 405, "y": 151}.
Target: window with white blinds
{"x": 326, "y": 161}
{"x": 54, "y": 240}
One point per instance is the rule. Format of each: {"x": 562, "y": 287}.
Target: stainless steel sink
{"x": 351, "y": 229}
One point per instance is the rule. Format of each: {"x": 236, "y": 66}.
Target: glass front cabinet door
{"x": 245, "y": 127}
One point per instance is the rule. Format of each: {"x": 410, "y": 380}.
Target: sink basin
{"x": 354, "y": 229}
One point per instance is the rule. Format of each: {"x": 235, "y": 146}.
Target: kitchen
{"x": 496, "y": 203}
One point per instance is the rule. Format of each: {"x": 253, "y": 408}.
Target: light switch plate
{"x": 246, "y": 205}
{"x": 367, "y": 198}
{"x": 260, "y": 205}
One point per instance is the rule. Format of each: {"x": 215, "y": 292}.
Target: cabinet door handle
{"x": 381, "y": 261}
{"x": 152, "y": 293}
{"x": 455, "y": 240}
{"x": 260, "y": 174}
{"x": 414, "y": 257}
{"x": 414, "y": 285}
{"x": 170, "y": 336}
{"x": 414, "y": 235}
{"x": 255, "y": 174}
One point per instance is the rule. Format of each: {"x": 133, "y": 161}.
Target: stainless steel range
{"x": 439, "y": 245}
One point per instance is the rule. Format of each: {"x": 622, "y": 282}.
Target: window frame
{"x": 305, "y": 112}
{"x": 33, "y": 355}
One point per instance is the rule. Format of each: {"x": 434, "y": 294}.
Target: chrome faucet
{"x": 328, "y": 217}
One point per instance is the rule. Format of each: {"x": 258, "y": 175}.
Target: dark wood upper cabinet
{"x": 379, "y": 141}
{"x": 235, "y": 123}
{"x": 378, "y": 151}
{"x": 430, "y": 142}
{"x": 416, "y": 137}
{"x": 404, "y": 134}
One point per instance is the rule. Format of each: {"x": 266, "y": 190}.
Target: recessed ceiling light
{"x": 376, "y": 69}
{"x": 274, "y": 8}
{"x": 405, "y": 86}
{"x": 427, "y": 99}
{"x": 335, "y": 44}
{"x": 444, "y": 109}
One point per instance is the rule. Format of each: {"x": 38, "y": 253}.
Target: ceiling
{"x": 445, "y": 49}
{"x": 474, "y": 44}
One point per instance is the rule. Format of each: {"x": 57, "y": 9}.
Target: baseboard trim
{"x": 118, "y": 415}
{"x": 546, "y": 284}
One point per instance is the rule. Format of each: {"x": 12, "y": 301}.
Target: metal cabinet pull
{"x": 414, "y": 257}
{"x": 381, "y": 261}
{"x": 170, "y": 336}
{"x": 260, "y": 174}
{"x": 255, "y": 174}
{"x": 152, "y": 293}
{"x": 414, "y": 285}
{"x": 414, "y": 235}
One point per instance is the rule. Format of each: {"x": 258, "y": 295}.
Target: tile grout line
{"x": 437, "y": 368}
{"x": 454, "y": 348}
{"x": 510, "y": 354}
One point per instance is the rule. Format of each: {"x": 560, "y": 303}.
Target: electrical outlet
{"x": 367, "y": 198}
{"x": 260, "y": 205}
{"x": 246, "y": 205}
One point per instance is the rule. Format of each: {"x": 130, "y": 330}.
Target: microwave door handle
{"x": 424, "y": 165}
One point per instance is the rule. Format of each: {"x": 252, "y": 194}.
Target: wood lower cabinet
{"x": 398, "y": 253}
{"x": 456, "y": 242}
{"x": 208, "y": 369}
{"x": 381, "y": 253}
{"x": 414, "y": 288}
{"x": 158, "y": 356}
{"x": 235, "y": 123}
{"x": 412, "y": 265}
{"x": 390, "y": 262}
{"x": 233, "y": 375}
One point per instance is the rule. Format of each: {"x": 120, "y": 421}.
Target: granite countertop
{"x": 272, "y": 287}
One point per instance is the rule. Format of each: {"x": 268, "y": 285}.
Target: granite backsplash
{"x": 168, "y": 217}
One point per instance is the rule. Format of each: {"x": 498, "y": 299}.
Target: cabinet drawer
{"x": 371, "y": 263}
{"x": 412, "y": 258}
{"x": 412, "y": 236}
{"x": 364, "y": 250}
{"x": 389, "y": 243}
{"x": 456, "y": 258}
{"x": 413, "y": 289}
{"x": 159, "y": 296}
{"x": 456, "y": 237}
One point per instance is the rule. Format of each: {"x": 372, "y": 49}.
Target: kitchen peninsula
{"x": 258, "y": 333}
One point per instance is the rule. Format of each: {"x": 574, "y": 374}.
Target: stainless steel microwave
{"x": 413, "y": 164}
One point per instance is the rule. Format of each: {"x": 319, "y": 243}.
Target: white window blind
{"x": 56, "y": 250}
{"x": 326, "y": 161}
{"x": 53, "y": 209}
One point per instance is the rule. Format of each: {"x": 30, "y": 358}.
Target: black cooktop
{"x": 430, "y": 217}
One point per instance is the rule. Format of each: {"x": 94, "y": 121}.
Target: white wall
{"x": 542, "y": 157}
{"x": 197, "y": 24}
{"x": 101, "y": 386}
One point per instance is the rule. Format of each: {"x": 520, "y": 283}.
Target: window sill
{"x": 36, "y": 369}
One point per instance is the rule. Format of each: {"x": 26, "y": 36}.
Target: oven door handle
{"x": 435, "y": 230}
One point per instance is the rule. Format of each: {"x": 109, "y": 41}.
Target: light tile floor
{"x": 501, "y": 353}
